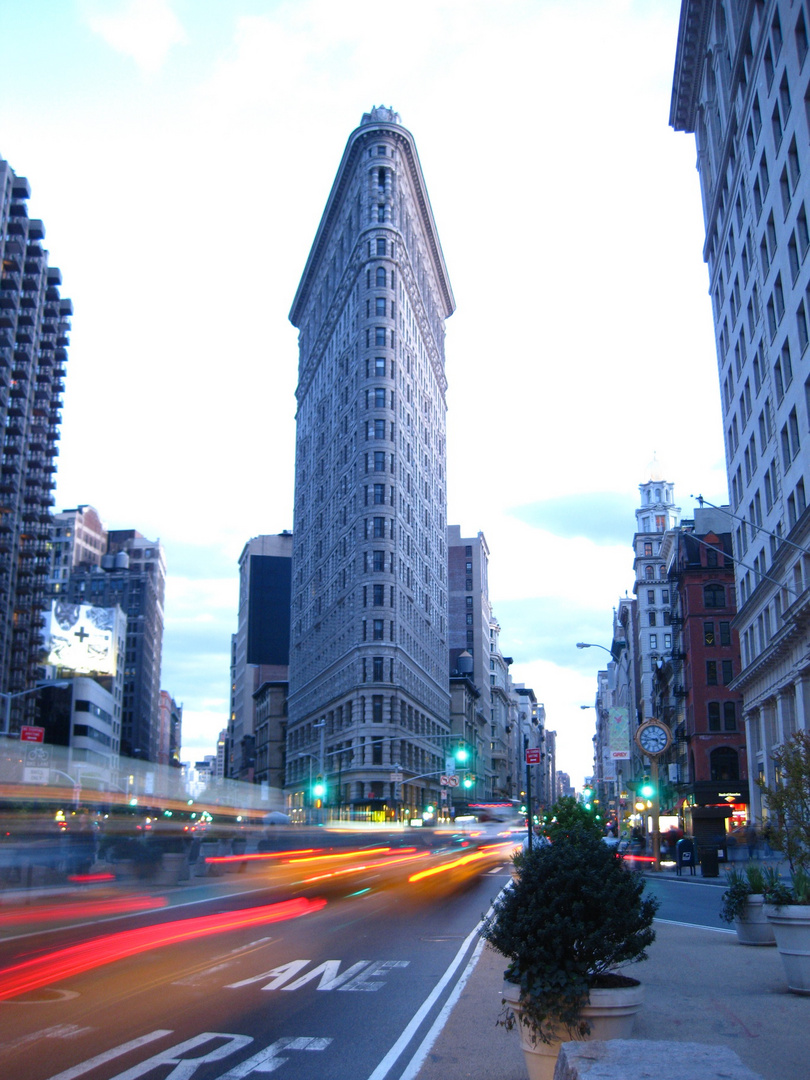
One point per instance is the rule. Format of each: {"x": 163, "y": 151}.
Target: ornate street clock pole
{"x": 654, "y": 738}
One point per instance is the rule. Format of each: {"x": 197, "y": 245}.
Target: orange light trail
{"x": 119, "y": 905}
{"x": 349, "y": 854}
{"x": 253, "y": 857}
{"x": 56, "y": 966}
{"x": 367, "y": 866}
{"x": 463, "y": 861}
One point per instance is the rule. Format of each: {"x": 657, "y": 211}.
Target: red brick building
{"x": 693, "y": 681}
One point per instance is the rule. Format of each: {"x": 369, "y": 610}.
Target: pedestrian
{"x": 538, "y": 839}
{"x": 751, "y": 840}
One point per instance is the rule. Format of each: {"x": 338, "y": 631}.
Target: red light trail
{"x": 61, "y": 964}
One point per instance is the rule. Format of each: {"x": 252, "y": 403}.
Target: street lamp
{"x": 591, "y": 645}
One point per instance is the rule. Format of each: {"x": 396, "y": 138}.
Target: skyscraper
{"x": 740, "y": 86}
{"x": 34, "y": 324}
{"x": 132, "y": 574}
{"x": 261, "y": 651}
{"x": 369, "y": 666}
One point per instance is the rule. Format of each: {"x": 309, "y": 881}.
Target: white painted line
{"x": 416, "y": 1062}
{"x": 696, "y": 926}
{"x": 110, "y": 1055}
{"x": 399, "y": 1046}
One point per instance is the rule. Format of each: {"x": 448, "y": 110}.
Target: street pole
{"x": 656, "y": 807}
{"x": 529, "y": 802}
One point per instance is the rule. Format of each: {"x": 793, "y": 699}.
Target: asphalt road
{"x": 689, "y": 902}
{"x": 344, "y": 985}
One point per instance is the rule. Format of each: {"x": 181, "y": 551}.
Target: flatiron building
{"x": 369, "y": 663}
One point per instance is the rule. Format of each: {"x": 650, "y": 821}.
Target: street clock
{"x": 654, "y": 737}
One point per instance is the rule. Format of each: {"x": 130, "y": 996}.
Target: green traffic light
{"x": 319, "y": 788}
{"x": 469, "y": 781}
{"x": 462, "y": 753}
{"x": 647, "y": 788}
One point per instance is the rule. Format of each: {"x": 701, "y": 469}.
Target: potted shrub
{"x": 788, "y": 904}
{"x": 744, "y": 904}
{"x": 572, "y": 916}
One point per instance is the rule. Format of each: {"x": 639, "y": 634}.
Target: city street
{"x": 266, "y": 977}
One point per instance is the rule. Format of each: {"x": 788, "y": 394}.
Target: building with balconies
{"x": 34, "y": 326}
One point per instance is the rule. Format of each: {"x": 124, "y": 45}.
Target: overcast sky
{"x": 180, "y": 153}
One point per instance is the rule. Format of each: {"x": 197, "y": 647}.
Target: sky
{"x": 180, "y": 154}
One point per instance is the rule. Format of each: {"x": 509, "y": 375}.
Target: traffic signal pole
{"x": 656, "y": 809}
{"x": 529, "y": 802}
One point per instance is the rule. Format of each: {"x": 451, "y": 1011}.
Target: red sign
{"x": 532, "y": 757}
{"x": 28, "y": 733}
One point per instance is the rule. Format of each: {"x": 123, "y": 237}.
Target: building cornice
{"x": 693, "y": 32}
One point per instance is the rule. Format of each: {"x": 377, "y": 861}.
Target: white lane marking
{"x": 328, "y": 972}
{"x": 696, "y": 926}
{"x": 416, "y": 1062}
{"x": 268, "y": 1060}
{"x": 187, "y": 1067}
{"x": 109, "y": 1055}
{"x": 353, "y": 978}
{"x": 396, "y": 1050}
{"x": 225, "y": 961}
{"x": 282, "y": 974}
{"x": 58, "y": 1031}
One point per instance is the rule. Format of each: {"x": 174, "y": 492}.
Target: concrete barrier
{"x": 634, "y": 1059}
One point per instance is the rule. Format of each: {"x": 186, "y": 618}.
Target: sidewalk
{"x": 701, "y": 986}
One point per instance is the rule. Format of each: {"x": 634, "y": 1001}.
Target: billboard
{"x": 619, "y": 732}
{"x": 84, "y": 638}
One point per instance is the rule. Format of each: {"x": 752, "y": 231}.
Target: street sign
{"x": 37, "y": 756}
{"x": 450, "y": 766}
{"x": 532, "y": 756}
{"x": 395, "y": 777}
{"x": 449, "y": 781}
{"x": 35, "y": 776}
{"x": 29, "y": 733}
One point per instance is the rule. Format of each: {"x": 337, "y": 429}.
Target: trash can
{"x": 685, "y": 855}
{"x": 709, "y": 862}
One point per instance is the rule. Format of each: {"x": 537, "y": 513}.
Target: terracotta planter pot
{"x": 791, "y": 926}
{"x": 611, "y": 1013}
{"x": 753, "y": 927}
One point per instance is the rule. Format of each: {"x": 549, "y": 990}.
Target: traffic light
{"x": 461, "y": 753}
{"x": 469, "y": 781}
{"x": 647, "y": 788}
{"x": 587, "y": 795}
{"x": 318, "y": 788}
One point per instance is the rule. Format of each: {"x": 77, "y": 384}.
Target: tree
{"x": 788, "y": 801}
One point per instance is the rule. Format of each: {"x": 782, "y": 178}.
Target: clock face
{"x": 653, "y": 739}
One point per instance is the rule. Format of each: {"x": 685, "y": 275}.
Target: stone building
{"x": 369, "y": 664}
{"x": 740, "y": 86}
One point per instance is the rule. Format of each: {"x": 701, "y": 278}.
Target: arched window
{"x": 724, "y": 764}
{"x": 649, "y": 573}
{"x": 381, "y": 276}
{"x": 714, "y": 596}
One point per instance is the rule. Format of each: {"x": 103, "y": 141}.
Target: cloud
{"x": 603, "y": 517}
{"x": 144, "y": 30}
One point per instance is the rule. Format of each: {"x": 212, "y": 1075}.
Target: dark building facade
{"x": 34, "y": 325}
{"x": 260, "y": 658}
